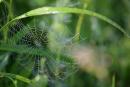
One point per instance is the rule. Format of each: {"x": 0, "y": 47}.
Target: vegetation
{"x": 64, "y": 43}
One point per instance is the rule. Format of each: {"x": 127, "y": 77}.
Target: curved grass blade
{"x": 18, "y": 77}
{"x": 56, "y": 10}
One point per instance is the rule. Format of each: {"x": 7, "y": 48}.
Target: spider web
{"x": 33, "y": 37}
{"x": 37, "y": 38}
{"x": 52, "y": 68}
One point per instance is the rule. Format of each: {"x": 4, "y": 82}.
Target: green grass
{"x": 58, "y": 63}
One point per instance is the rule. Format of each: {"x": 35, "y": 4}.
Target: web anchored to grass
{"x": 31, "y": 44}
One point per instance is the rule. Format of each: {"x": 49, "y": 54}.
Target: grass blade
{"x": 22, "y": 49}
{"x": 18, "y": 77}
{"x": 56, "y": 10}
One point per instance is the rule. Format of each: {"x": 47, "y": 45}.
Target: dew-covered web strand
{"x": 16, "y": 32}
{"x": 37, "y": 66}
{"x": 14, "y": 28}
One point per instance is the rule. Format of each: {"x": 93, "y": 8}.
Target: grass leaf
{"x": 18, "y": 77}
{"x": 22, "y": 49}
{"x": 56, "y": 10}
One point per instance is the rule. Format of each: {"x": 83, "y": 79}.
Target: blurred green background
{"x": 106, "y": 49}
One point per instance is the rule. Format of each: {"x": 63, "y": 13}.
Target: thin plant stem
{"x": 10, "y": 16}
{"x": 113, "y": 81}
{"x": 79, "y": 24}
